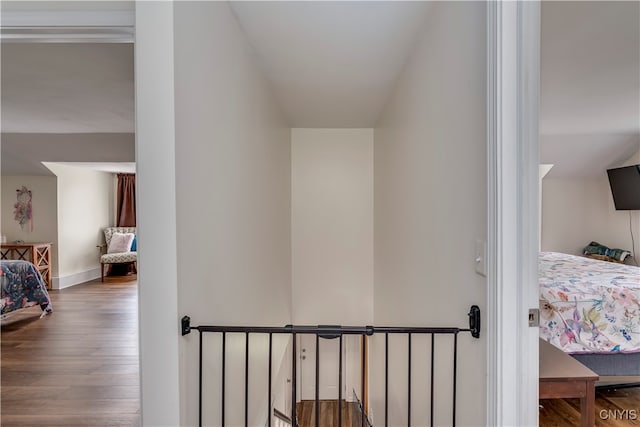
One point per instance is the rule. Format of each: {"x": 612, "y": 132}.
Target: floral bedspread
{"x": 589, "y": 306}
{"x": 22, "y": 286}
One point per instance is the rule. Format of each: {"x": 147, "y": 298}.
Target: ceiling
{"x": 334, "y": 64}
{"x": 67, "y": 87}
{"x": 64, "y": 99}
{"x": 23, "y": 153}
{"x": 123, "y": 167}
{"x": 590, "y": 85}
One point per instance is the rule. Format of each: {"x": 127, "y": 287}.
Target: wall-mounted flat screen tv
{"x": 625, "y": 187}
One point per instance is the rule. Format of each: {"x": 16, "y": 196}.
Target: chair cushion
{"x": 118, "y": 258}
{"x": 120, "y": 242}
{"x": 108, "y": 232}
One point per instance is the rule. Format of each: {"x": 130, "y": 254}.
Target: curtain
{"x": 126, "y": 200}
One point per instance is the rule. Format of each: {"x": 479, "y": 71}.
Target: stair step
{"x": 351, "y": 416}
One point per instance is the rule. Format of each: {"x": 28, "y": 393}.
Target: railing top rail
{"x": 324, "y": 331}
{"x": 337, "y": 330}
{"x": 334, "y": 331}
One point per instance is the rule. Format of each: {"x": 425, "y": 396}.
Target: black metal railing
{"x": 328, "y": 332}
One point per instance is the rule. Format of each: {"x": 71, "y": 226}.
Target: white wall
{"x": 332, "y": 226}
{"x": 45, "y": 212}
{"x": 233, "y": 189}
{"x": 430, "y": 207}
{"x": 332, "y": 239}
{"x": 576, "y": 211}
{"x": 85, "y": 207}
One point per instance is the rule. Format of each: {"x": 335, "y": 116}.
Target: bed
{"x": 22, "y": 287}
{"x": 591, "y": 310}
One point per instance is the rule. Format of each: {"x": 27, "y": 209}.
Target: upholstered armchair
{"x": 118, "y": 256}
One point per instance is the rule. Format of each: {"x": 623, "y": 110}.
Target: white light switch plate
{"x": 480, "y": 258}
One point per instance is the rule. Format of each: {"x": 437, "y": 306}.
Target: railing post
{"x": 363, "y": 375}
{"x": 269, "y": 407}
{"x": 246, "y": 380}
{"x": 455, "y": 371}
{"x": 224, "y": 357}
{"x": 386, "y": 379}
{"x": 409, "y": 380}
{"x": 317, "y": 403}
{"x": 340, "y": 384}
{"x": 200, "y": 381}
{"x": 433, "y": 346}
{"x": 294, "y": 367}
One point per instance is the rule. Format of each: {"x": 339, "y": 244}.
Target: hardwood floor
{"x": 613, "y": 403}
{"x": 328, "y": 414}
{"x": 77, "y": 366}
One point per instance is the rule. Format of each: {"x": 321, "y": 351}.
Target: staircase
{"x": 328, "y": 414}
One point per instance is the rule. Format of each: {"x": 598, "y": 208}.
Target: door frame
{"x": 310, "y": 354}
{"x": 513, "y": 33}
{"x": 513, "y": 65}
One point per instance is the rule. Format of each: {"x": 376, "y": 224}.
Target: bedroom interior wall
{"x": 430, "y": 207}
{"x": 85, "y": 207}
{"x": 45, "y": 212}
{"x": 233, "y": 195}
{"x": 576, "y": 211}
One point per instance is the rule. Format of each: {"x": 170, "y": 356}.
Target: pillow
{"x": 120, "y": 242}
{"x": 134, "y": 245}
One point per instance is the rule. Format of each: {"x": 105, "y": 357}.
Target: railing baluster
{"x": 246, "y": 380}
{"x": 224, "y": 357}
{"x": 364, "y": 373}
{"x": 317, "y": 404}
{"x": 409, "y": 380}
{"x": 294, "y": 367}
{"x": 200, "y": 382}
{"x": 269, "y": 408}
{"x": 340, "y": 384}
{"x": 386, "y": 379}
{"x": 455, "y": 369}
{"x": 433, "y": 343}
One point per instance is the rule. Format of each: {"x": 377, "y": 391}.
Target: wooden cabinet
{"x": 37, "y": 253}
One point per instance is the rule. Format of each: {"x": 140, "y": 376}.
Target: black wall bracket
{"x": 474, "y": 321}
{"x": 185, "y": 324}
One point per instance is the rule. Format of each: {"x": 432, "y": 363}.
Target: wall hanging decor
{"x": 23, "y": 212}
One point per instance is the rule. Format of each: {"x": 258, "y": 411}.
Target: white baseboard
{"x": 75, "y": 279}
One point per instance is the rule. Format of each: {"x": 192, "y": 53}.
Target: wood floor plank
{"x": 610, "y": 409}
{"x": 77, "y": 366}
{"x": 108, "y": 420}
{"x": 328, "y": 414}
